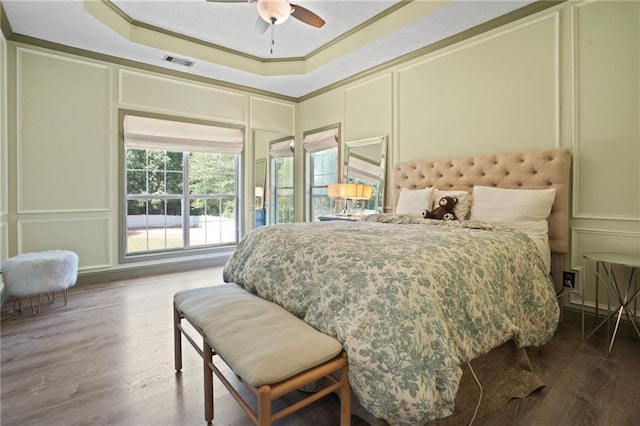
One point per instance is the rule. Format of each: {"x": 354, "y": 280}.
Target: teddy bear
{"x": 444, "y": 211}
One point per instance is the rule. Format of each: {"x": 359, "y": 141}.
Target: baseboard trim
{"x": 137, "y": 271}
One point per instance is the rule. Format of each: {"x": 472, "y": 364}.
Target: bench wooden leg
{"x": 177, "y": 339}
{"x": 345, "y": 395}
{"x": 268, "y": 392}
{"x": 207, "y": 357}
{"x": 264, "y": 405}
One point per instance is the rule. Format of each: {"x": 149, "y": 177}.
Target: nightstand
{"x": 602, "y": 265}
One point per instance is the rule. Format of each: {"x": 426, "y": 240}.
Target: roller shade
{"x": 321, "y": 141}
{"x": 154, "y": 133}
{"x": 281, "y": 149}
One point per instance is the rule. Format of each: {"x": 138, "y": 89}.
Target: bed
{"x": 414, "y": 300}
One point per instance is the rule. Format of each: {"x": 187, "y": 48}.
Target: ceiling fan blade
{"x": 306, "y": 16}
{"x": 261, "y": 26}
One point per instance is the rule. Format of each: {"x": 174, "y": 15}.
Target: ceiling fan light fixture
{"x": 274, "y": 11}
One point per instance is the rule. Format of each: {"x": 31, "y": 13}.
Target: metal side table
{"x": 602, "y": 265}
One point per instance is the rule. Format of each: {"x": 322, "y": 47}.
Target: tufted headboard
{"x": 524, "y": 170}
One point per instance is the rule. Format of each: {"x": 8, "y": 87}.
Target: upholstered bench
{"x": 44, "y": 272}
{"x": 272, "y": 351}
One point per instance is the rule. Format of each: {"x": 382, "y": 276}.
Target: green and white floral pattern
{"x": 410, "y": 299}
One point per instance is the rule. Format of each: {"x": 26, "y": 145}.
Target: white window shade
{"x": 363, "y": 170}
{"x": 281, "y": 149}
{"x": 154, "y": 133}
{"x": 321, "y": 141}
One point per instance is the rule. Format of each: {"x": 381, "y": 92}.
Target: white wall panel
{"x": 496, "y": 93}
{"x": 4, "y": 241}
{"x": 4, "y": 253}
{"x": 63, "y": 134}
{"x": 321, "y": 111}
{"x": 88, "y": 237}
{"x": 368, "y": 109}
{"x": 273, "y": 116}
{"x": 585, "y": 240}
{"x": 4, "y": 135}
{"x": 172, "y": 95}
{"x": 606, "y": 43}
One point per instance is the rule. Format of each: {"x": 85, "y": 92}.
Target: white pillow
{"x": 414, "y": 201}
{"x": 462, "y": 207}
{"x": 525, "y": 210}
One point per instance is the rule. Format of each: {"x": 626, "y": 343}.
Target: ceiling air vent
{"x": 181, "y": 61}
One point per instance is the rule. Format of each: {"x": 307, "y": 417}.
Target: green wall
{"x": 566, "y": 77}
{"x": 64, "y": 147}
{"x": 4, "y": 216}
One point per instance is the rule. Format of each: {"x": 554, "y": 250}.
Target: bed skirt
{"x": 506, "y": 372}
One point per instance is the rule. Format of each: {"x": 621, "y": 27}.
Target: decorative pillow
{"x": 462, "y": 207}
{"x": 414, "y": 201}
{"x": 525, "y": 210}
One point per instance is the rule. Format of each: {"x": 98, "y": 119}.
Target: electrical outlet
{"x": 569, "y": 279}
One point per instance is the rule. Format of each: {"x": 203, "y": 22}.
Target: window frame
{"x": 272, "y": 204}
{"x": 185, "y": 197}
{"x": 309, "y": 168}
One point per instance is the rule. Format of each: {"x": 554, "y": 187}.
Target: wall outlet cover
{"x": 569, "y": 279}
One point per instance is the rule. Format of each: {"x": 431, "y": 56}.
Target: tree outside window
{"x": 322, "y": 160}
{"x": 181, "y": 197}
{"x": 282, "y": 190}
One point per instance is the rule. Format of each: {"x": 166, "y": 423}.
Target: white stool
{"x": 31, "y": 274}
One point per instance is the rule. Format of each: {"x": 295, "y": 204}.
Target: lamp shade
{"x": 352, "y": 191}
{"x": 274, "y": 11}
{"x": 367, "y": 191}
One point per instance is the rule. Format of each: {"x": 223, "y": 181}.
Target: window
{"x": 180, "y": 186}
{"x": 281, "y": 179}
{"x": 322, "y": 160}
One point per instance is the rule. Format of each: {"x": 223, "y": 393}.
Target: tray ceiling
{"x": 219, "y": 37}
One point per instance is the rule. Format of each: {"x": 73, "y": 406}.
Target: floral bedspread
{"x": 410, "y": 299}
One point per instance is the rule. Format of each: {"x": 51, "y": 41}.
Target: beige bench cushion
{"x": 259, "y": 340}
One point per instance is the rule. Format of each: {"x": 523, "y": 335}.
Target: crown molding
{"x": 508, "y": 18}
{"x": 152, "y": 36}
{"x": 87, "y": 54}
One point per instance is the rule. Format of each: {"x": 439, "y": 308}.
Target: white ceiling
{"x": 228, "y": 29}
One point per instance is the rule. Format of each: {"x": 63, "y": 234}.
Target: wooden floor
{"x": 107, "y": 358}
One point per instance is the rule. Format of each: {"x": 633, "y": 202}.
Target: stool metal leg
{"x": 615, "y": 330}
{"x": 623, "y": 301}
{"x": 635, "y": 299}
{"x": 19, "y": 301}
{"x": 597, "y": 292}
{"x": 581, "y": 280}
{"x": 627, "y": 300}
{"x": 35, "y": 309}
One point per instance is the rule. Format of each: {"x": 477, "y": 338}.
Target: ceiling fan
{"x": 274, "y": 12}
